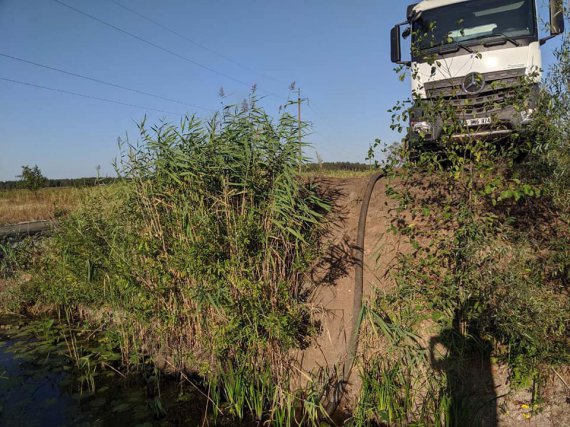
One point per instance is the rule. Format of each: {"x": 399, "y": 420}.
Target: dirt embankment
{"x": 335, "y": 274}
{"x": 332, "y": 300}
{"x": 333, "y": 303}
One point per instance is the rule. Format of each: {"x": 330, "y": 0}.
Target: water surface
{"x": 41, "y": 385}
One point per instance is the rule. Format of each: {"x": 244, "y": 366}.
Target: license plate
{"x": 478, "y": 122}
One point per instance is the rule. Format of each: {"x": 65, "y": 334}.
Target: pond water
{"x": 41, "y": 385}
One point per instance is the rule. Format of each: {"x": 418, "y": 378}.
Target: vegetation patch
{"x": 199, "y": 257}
{"x": 486, "y": 281}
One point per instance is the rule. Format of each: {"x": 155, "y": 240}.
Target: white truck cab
{"x": 478, "y": 51}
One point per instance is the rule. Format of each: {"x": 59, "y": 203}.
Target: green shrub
{"x": 32, "y": 178}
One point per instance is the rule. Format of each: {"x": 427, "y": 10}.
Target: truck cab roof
{"x": 432, "y": 4}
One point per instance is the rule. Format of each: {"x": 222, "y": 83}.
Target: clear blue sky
{"x": 336, "y": 50}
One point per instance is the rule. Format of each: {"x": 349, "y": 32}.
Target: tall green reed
{"x": 200, "y": 254}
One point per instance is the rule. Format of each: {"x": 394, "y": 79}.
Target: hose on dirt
{"x": 337, "y": 390}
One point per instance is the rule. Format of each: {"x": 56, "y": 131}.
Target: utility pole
{"x": 299, "y": 122}
{"x": 299, "y": 100}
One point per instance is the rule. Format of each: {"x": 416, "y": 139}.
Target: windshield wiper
{"x": 455, "y": 46}
{"x": 503, "y": 37}
{"x": 509, "y": 38}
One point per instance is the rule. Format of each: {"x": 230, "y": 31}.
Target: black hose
{"x": 337, "y": 390}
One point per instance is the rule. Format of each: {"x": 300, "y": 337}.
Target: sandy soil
{"x": 333, "y": 301}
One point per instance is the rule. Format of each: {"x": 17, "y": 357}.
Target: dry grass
{"x": 48, "y": 203}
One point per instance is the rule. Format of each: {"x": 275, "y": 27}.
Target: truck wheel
{"x": 519, "y": 145}
{"x": 413, "y": 149}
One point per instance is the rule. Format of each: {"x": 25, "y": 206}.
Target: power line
{"x": 195, "y": 43}
{"x": 324, "y": 119}
{"x": 68, "y": 92}
{"x": 37, "y": 64}
{"x": 156, "y": 46}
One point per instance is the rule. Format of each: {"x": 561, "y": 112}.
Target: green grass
{"x": 337, "y": 170}
{"x": 200, "y": 256}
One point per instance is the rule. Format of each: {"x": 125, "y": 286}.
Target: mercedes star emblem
{"x": 474, "y": 83}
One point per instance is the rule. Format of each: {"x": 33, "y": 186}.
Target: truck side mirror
{"x": 556, "y": 20}
{"x": 396, "y": 49}
{"x": 556, "y": 17}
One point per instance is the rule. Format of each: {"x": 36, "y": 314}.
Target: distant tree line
{"x": 32, "y": 179}
{"x": 337, "y": 166}
{"x": 63, "y": 182}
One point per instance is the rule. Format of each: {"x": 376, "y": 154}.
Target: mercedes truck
{"x": 473, "y": 54}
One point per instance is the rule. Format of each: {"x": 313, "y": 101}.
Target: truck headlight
{"x": 421, "y": 127}
{"x": 526, "y": 116}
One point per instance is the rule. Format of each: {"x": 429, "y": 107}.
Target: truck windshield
{"x": 474, "y": 20}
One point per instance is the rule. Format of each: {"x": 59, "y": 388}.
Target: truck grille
{"x": 499, "y": 91}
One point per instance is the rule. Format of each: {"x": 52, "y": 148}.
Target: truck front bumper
{"x": 490, "y": 115}
{"x": 499, "y": 124}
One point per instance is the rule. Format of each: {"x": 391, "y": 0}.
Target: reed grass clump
{"x": 199, "y": 256}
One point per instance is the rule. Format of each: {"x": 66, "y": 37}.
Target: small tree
{"x": 32, "y": 178}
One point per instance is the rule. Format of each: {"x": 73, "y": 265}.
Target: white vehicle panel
{"x": 432, "y": 4}
{"x": 528, "y": 57}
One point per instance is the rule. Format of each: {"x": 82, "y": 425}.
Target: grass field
{"x": 48, "y": 203}
{"x": 337, "y": 170}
